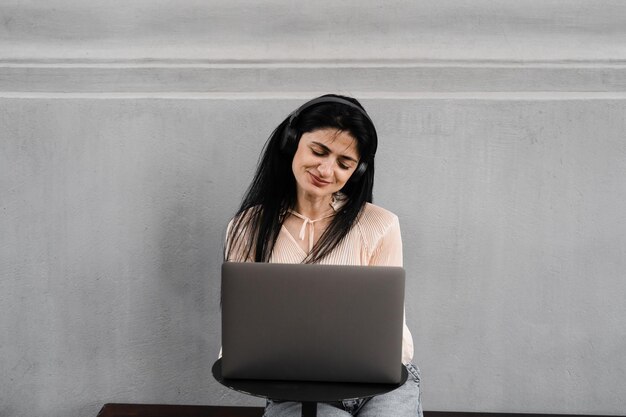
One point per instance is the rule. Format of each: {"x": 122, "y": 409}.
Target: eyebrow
{"x": 327, "y": 149}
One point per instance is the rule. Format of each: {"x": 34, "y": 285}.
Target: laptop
{"x": 332, "y": 323}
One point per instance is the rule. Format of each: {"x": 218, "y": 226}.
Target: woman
{"x": 310, "y": 202}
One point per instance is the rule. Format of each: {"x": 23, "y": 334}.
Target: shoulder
{"x": 380, "y": 233}
{"x": 375, "y": 218}
{"x": 374, "y": 223}
{"x": 249, "y": 212}
{"x": 243, "y": 217}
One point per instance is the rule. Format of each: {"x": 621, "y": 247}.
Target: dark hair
{"x": 272, "y": 193}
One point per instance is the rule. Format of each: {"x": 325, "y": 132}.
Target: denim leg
{"x": 404, "y": 401}
{"x": 294, "y": 409}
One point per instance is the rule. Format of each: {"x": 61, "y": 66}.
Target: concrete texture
{"x": 128, "y": 133}
{"x": 370, "y": 78}
{"x": 113, "y": 213}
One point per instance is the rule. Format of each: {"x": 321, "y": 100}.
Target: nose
{"x": 325, "y": 168}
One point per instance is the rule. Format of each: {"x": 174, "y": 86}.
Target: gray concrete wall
{"x": 128, "y": 133}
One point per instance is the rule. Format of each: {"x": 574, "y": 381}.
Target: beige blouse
{"x": 374, "y": 240}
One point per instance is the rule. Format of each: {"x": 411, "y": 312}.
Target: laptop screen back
{"x": 312, "y": 322}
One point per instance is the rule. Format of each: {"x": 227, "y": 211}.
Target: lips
{"x": 317, "y": 181}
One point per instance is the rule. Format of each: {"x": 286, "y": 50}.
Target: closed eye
{"x": 320, "y": 150}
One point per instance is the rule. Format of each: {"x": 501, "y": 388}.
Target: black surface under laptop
{"x": 312, "y": 322}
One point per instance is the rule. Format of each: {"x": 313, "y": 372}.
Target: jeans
{"x": 404, "y": 401}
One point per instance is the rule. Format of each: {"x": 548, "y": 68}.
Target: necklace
{"x": 311, "y": 224}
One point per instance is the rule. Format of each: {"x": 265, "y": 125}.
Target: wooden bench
{"x": 155, "y": 410}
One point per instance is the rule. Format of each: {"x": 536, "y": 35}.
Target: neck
{"x": 313, "y": 207}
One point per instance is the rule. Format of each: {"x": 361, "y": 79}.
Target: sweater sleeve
{"x": 388, "y": 249}
{"x": 388, "y": 252}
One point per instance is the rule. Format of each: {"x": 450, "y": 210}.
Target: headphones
{"x": 289, "y": 140}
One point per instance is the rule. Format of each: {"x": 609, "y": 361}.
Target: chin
{"x": 319, "y": 192}
{"x": 316, "y": 191}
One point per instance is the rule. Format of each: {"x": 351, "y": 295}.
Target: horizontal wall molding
{"x": 528, "y": 30}
{"x": 305, "y": 95}
{"x": 280, "y": 77}
{"x": 242, "y": 46}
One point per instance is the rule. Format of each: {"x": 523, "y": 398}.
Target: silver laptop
{"x": 312, "y": 322}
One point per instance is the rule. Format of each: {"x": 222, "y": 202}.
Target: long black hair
{"x": 272, "y": 193}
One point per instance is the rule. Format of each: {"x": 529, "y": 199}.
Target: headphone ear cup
{"x": 288, "y": 141}
{"x": 359, "y": 171}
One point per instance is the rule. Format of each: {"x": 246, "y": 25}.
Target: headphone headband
{"x": 319, "y": 100}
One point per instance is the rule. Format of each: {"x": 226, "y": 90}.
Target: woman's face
{"x": 324, "y": 161}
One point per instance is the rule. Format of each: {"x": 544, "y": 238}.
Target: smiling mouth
{"x": 318, "y": 181}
